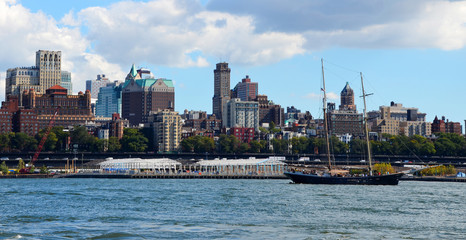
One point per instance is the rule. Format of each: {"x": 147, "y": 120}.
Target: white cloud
{"x": 166, "y": 32}
{"x": 315, "y": 96}
{"x": 24, "y": 32}
{"x": 182, "y": 33}
{"x": 359, "y": 24}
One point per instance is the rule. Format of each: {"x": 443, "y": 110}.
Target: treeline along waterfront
{"x": 138, "y": 140}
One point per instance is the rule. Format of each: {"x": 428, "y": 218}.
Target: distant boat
{"x": 328, "y": 178}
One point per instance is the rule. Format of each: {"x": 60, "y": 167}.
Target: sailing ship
{"x": 328, "y": 178}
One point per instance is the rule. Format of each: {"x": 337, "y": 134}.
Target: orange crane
{"x": 41, "y": 144}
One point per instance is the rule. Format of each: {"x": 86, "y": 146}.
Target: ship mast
{"x": 365, "y": 127}
{"x": 325, "y": 118}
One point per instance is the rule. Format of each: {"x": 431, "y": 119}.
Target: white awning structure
{"x": 243, "y": 162}
{"x": 138, "y": 164}
{"x": 255, "y": 166}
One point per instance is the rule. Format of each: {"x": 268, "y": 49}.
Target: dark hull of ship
{"x": 390, "y": 179}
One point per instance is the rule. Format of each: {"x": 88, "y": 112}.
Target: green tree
{"x": 133, "y": 141}
{"x": 243, "y": 148}
{"x": 21, "y": 164}
{"x": 22, "y": 142}
{"x": 62, "y": 138}
{"x": 44, "y": 170}
{"x": 227, "y": 144}
{"x": 80, "y": 137}
{"x": 4, "y": 142}
{"x": 280, "y": 146}
{"x": 207, "y": 144}
{"x": 255, "y": 146}
{"x": 273, "y": 129}
{"x": 338, "y": 146}
{"x": 4, "y": 168}
{"x": 113, "y": 144}
{"x": 187, "y": 145}
{"x": 383, "y": 168}
{"x": 358, "y": 146}
{"x": 51, "y": 141}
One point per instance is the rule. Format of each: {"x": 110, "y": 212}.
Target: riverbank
{"x": 199, "y": 176}
{"x": 434, "y": 179}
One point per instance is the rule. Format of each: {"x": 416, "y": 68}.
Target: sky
{"x": 410, "y": 52}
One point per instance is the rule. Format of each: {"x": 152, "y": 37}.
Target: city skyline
{"x": 409, "y": 52}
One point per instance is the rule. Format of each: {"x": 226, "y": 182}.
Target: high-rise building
{"x": 45, "y": 74}
{"x": 345, "y": 120}
{"x": 140, "y": 96}
{"x": 166, "y": 125}
{"x": 109, "y": 100}
{"x": 400, "y": 113}
{"x": 66, "y": 81}
{"x": 270, "y": 112}
{"x": 347, "y": 98}
{"x": 396, "y": 119}
{"x": 246, "y": 90}
{"x": 94, "y": 85}
{"x": 239, "y": 113}
{"x": 221, "y": 88}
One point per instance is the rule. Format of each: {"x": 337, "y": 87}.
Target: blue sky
{"x": 410, "y": 52}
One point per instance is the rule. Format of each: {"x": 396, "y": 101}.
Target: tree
{"x": 4, "y": 168}
{"x": 338, "y": 146}
{"x": 243, "y": 147}
{"x": 22, "y": 142}
{"x": 187, "y": 145}
{"x": 80, "y": 136}
{"x": 358, "y": 146}
{"x": 4, "y": 143}
{"x": 44, "y": 170}
{"x": 21, "y": 164}
{"x": 227, "y": 144}
{"x": 51, "y": 141}
{"x": 133, "y": 141}
{"x": 280, "y": 145}
{"x": 62, "y": 138}
{"x": 255, "y": 146}
{"x": 113, "y": 144}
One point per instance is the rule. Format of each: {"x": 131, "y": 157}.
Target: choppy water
{"x": 228, "y": 209}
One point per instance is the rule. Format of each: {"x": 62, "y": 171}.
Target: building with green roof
{"x": 143, "y": 94}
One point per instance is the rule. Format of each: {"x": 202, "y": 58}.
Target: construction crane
{"x": 41, "y": 144}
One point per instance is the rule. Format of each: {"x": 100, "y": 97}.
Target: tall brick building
{"x": 222, "y": 92}
{"x": 446, "y": 126}
{"x": 270, "y": 112}
{"x": 345, "y": 120}
{"x": 245, "y": 90}
{"x": 141, "y": 96}
{"x": 72, "y": 109}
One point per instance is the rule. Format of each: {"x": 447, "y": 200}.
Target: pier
{"x": 169, "y": 176}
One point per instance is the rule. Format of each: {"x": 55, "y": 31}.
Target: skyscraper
{"x": 347, "y": 98}
{"x": 45, "y": 74}
{"x": 142, "y": 94}
{"x": 246, "y": 90}
{"x": 94, "y": 85}
{"x": 66, "y": 81}
{"x": 221, "y": 88}
{"x": 109, "y": 100}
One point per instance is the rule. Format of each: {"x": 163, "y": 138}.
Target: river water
{"x": 228, "y": 209}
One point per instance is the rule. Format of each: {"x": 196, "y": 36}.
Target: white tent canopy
{"x": 138, "y": 164}
{"x": 243, "y": 162}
